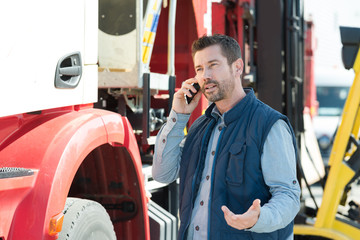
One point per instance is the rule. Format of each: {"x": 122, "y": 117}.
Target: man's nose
{"x": 206, "y": 74}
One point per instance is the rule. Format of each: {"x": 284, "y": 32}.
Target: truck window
{"x": 331, "y": 99}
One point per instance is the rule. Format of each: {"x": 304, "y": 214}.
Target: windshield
{"x": 331, "y": 100}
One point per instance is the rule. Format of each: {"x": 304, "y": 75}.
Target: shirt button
{"x": 201, "y": 203}
{"x": 164, "y": 140}
{"x": 197, "y": 228}
{"x": 174, "y": 119}
{"x": 207, "y": 177}
{"x": 220, "y": 128}
{"x": 213, "y": 153}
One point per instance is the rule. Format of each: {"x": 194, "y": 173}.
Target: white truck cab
{"x": 64, "y": 48}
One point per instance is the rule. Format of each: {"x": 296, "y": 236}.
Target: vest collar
{"x": 238, "y": 110}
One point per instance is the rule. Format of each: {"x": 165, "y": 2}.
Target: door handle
{"x": 68, "y": 71}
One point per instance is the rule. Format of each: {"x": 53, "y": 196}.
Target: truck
{"x": 86, "y": 86}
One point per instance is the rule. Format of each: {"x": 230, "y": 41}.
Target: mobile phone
{"x": 189, "y": 99}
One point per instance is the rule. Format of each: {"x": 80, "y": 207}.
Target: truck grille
{"x": 12, "y": 172}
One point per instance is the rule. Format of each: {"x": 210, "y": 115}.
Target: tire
{"x": 86, "y": 220}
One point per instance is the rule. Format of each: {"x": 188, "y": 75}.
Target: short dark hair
{"x": 229, "y": 46}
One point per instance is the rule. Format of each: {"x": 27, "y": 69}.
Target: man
{"x": 237, "y": 164}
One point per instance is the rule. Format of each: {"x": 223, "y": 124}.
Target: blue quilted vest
{"x": 237, "y": 178}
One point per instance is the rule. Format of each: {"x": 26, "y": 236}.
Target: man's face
{"x": 215, "y": 76}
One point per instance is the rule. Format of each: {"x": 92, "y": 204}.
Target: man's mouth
{"x": 210, "y": 87}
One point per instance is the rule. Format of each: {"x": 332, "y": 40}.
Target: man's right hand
{"x": 179, "y": 103}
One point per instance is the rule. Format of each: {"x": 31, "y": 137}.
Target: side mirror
{"x": 350, "y": 38}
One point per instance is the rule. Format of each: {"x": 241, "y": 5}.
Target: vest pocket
{"x": 235, "y": 169}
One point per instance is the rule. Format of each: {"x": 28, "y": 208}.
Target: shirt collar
{"x": 236, "y": 111}
{"x": 215, "y": 113}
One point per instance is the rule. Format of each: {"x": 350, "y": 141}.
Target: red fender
{"x": 54, "y": 144}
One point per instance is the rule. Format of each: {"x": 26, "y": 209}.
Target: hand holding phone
{"x": 189, "y": 99}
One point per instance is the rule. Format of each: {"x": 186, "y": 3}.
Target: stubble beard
{"x": 222, "y": 90}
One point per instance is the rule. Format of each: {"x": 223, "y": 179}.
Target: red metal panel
{"x": 200, "y": 9}
{"x": 240, "y": 26}
{"x": 12, "y": 192}
{"x": 311, "y": 104}
{"x": 218, "y": 18}
{"x": 54, "y": 144}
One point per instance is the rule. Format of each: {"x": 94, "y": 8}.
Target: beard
{"x": 223, "y": 89}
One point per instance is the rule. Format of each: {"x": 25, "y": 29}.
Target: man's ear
{"x": 239, "y": 66}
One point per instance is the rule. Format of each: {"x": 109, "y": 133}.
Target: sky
{"x": 327, "y": 16}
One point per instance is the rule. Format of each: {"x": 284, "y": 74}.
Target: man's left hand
{"x": 243, "y": 221}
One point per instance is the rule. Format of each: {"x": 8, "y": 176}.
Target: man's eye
{"x": 198, "y": 69}
{"x": 213, "y": 64}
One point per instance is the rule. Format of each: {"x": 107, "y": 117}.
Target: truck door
{"x": 38, "y": 36}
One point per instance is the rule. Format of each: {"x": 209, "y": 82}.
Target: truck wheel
{"x": 86, "y": 220}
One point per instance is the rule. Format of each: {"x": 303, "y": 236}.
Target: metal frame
{"x": 343, "y": 168}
